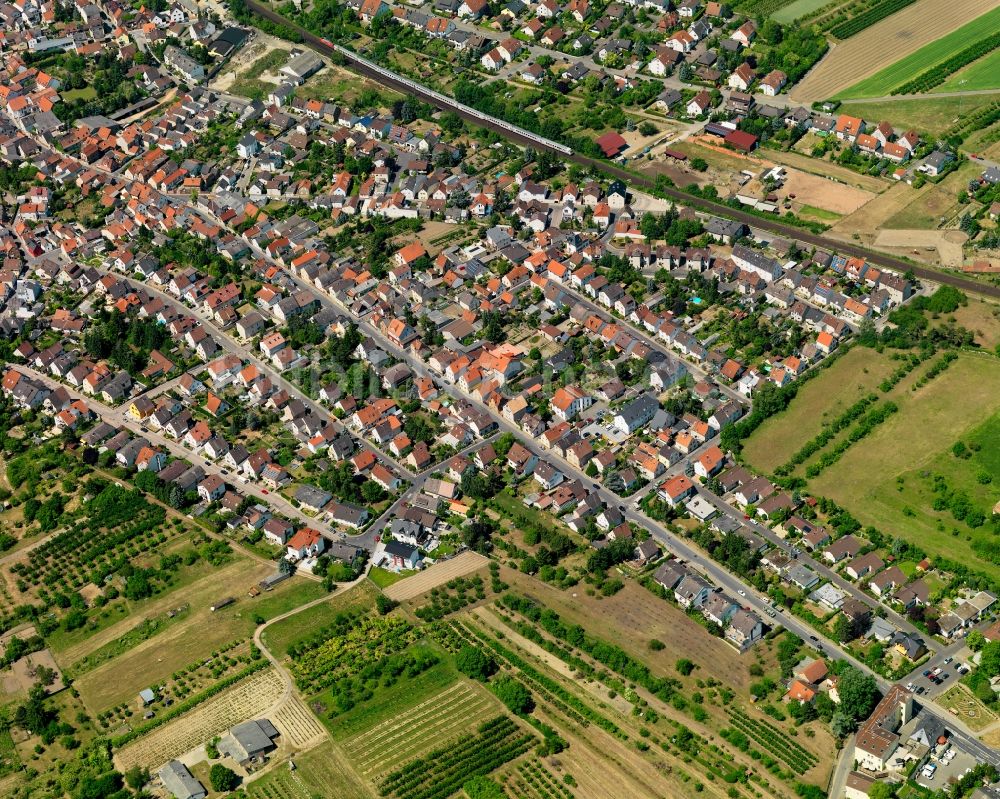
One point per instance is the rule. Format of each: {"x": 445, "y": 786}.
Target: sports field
{"x": 979, "y": 75}
{"x": 883, "y": 82}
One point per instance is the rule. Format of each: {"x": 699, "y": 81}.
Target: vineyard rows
{"x": 439, "y": 774}
{"x": 414, "y": 734}
{"x": 297, "y": 723}
{"x": 246, "y": 700}
{"x": 775, "y": 741}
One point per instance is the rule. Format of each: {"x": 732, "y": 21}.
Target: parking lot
{"x": 951, "y": 766}
{"x": 933, "y": 681}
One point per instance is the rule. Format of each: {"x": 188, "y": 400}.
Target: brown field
{"x": 297, "y": 724}
{"x": 826, "y": 194}
{"x": 632, "y": 618}
{"x": 883, "y": 44}
{"x": 919, "y": 244}
{"x": 869, "y": 220}
{"x": 436, "y": 575}
{"x": 820, "y": 169}
{"x": 983, "y": 319}
{"x": 245, "y": 700}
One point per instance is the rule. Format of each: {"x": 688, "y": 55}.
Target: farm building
{"x": 741, "y": 140}
{"x": 181, "y": 782}
{"x": 612, "y": 144}
{"x": 249, "y": 740}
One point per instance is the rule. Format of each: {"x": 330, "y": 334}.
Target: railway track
{"x": 525, "y": 138}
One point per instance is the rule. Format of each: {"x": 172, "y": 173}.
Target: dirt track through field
{"x": 883, "y": 44}
{"x": 436, "y": 575}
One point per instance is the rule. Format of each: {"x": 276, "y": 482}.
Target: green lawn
{"x": 883, "y": 82}
{"x": 959, "y": 404}
{"x": 86, "y": 93}
{"x": 821, "y": 400}
{"x": 929, "y": 115}
{"x": 797, "y": 9}
{"x": 820, "y": 214}
{"x": 979, "y": 75}
{"x": 279, "y": 636}
{"x": 383, "y": 578}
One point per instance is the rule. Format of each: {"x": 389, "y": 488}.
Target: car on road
{"x": 264, "y": 491}
{"x": 742, "y": 592}
{"x": 813, "y": 638}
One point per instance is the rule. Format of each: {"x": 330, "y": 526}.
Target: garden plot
{"x": 297, "y": 723}
{"x": 248, "y": 699}
{"x": 314, "y": 775}
{"x": 436, "y": 575}
{"x": 454, "y": 712}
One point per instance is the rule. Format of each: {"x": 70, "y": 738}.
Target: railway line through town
{"x": 404, "y": 85}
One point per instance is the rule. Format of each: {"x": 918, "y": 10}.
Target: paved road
{"x": 232, "y": 345}
{"x": 406, "y": 86}
{"x": 649, "y": 341}
{"x": 680, "y": 548}
{"x": 805, "y": 559}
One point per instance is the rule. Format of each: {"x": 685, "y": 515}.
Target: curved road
{"x": 719, "y": 209}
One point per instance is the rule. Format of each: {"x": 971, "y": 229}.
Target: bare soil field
{"x": 806, "y": 177}
{"x": 826, "y": 194}
{"x": 883, "y": 44}
{"x": 917, "y": 243}
{"x": 297, "y": 724}
{"x": 820, "y": 169}
{"x": 869, "y": 219}
{"x": 633, "y": 617}
{"x": 245, "y": 700}
{"x": 983, "y": 319}
{"x": 436, "y": 575}
{"x": 22, "y": 674}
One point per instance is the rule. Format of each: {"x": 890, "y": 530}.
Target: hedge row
{"x": 866, "y": 19}
{"x": 939, "y": 73}
{"x": 187, "y": 705}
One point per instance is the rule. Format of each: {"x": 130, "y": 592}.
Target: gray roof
{"x": 180, "y": 782}
{"x": 249, "y": 739}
